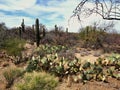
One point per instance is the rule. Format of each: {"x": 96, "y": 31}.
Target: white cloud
{"x": 15, "y": 21}
{"x": 17, "y": 4}
{"x": 64, "y": 9}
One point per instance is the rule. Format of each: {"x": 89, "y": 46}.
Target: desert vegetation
{"x": 34, "y": 58}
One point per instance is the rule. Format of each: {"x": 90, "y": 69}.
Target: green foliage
{"x": 60, "y": 66}
{"x": 14, "y": 46}
{"x": 37, "y": 81}
{"x": 43, "y": 50}
{"x": 11, "y": 74}
{"x": 32, "y": 65}
{"x": 92, "y": 36}
{"x": 3, "y": 33}
{"x": 37, "y": 32}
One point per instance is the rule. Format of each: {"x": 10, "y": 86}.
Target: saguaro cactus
{"x": 37, "y": 32}
{"x": 56, "y": 30}
{"x": 66, "y": 30}
{"x": 44, "y": 32}
{"x": 33, "y": 28}
{"x": 23, "y": 25}
{"x": 87, "y": 30}
{"x": 20, "y": 32}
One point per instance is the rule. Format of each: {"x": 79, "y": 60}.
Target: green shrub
{"x": 37, "y": 81}
{"x": 10, "y": 75}
{"x": 14, "y": 46}
{"x": 92, "y": 37}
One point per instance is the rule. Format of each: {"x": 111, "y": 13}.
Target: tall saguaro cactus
{"x": 66, "y": 30}
{"x": 87, "y": 31}
{"x": 20, "y": 32}
{"x": 44, "y": 32}
{"x": 56, "y": 30}
{"x": 33, "y": 27}
{"x": 37, "y": 32}
{"x": 23, "y": 25}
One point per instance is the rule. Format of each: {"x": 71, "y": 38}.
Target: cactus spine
{"x": 23, "y": 25}
{"x": 37, "y": 32}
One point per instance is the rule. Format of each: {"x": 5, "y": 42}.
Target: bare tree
{"x": 107, "y": 9}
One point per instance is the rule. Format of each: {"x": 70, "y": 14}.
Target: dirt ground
{"x": 113, "y": 84}
{"x": 84, "y": 54}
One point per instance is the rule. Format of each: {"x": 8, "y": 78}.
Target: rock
{"x": 77, "y": 55}
{"x": 98, "y": 53}
{"x": 69, "y": 81}
{"x": 27, "y": 46}
{"x": 5, "y": 64}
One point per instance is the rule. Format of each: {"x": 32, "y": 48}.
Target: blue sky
{"x": 49, "y": 12}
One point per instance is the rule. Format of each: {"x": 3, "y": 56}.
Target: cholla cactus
{"x": 23, "y": 25}
{"x": 37, "y": 32}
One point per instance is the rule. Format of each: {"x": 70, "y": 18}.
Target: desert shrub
{"x": 43, "y": 50}
{"x": 92, "y": 37}
{"x": 62, "y": 38}
{"x": 2, "y": 34}
{"x": 37, "y": 81}
{"x": 32, "y": 65}
{"x": 13, "y": 46}
{"x": 11, "y": 74}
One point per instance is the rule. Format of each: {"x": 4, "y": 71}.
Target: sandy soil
{"x": 84, "y": 55}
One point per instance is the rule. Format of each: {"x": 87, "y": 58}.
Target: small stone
{"x": 98, "y": 53}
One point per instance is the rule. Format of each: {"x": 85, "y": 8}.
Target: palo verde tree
{"x": 107, "y": 9}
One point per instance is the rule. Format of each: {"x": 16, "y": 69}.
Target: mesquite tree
{"x": 107, "y": 9}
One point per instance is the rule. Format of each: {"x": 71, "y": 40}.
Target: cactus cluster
{"x": 36, "y": 30}
{"x": 92, "y": 37}
{"x": 80, "y": 72}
